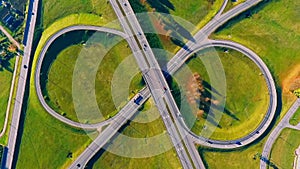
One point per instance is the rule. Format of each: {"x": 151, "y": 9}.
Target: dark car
{"x": 138, "y": 99}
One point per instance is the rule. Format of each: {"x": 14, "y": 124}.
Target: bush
{"x": 297, "y": 92}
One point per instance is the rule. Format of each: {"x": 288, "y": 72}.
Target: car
{"x": 138, "y": 99}
{"x": 238, "y": 143}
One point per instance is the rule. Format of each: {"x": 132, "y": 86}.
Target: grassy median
{"x": 6, "y": 75}
{"x": 295, "y": 120}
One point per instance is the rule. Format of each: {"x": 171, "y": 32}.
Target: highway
{"x": 276, "y": 132}
{"x": 150, "y": 70}
{"x": 118, "y": 118}
{"x": 221, "y": 10}
{"x": 172, "y": 69}
{"x": 9, "y": 105}
{"x": 104, "y": 138}
{"x": 21, "y": 89}
{"x": 212, "y": 26}
{"x": 215, "y": 143}
{"x": 159, "y": 88}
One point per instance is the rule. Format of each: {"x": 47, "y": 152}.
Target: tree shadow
{"x": 158, "y": 6}
{"x": 151, "y": 36}
{"x": 268, "y": 162}
{"x": 175, "y": 90}
{"x": 5, "y": 64}
{"x": 208, "y": 106}
{"x": 209, "y": 87}
{"x": 178, "y": 31}
{"x": 212, "y": 121}
{"x": 168, "y": 4}
{"x": 202, "y": 149}
{"x": 164, "y": 6}
{"x": 226, "y": 111}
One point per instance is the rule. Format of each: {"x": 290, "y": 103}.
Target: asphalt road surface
{"x": 276, "y": 132}
{"x": 14, "y": 126}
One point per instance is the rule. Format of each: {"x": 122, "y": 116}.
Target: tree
{"x": 297, "y": 92}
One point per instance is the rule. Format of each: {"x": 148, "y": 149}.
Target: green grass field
{"x": 144, "y": 125}
{"x": 283, "y": 151}
{"x": 60, "y": 77}
{"x": 245, "y": 103}
{"x": 57, "y": 9}
{"x": 5, "y": 83}
{"x": 165, "y": 160}
{"x": 274, "y": 37}
{"x": 42, "y": 130}
{"x": 243, "y": 158}
{"x": 296, "y": 118}
{"x": 196, "y": 12}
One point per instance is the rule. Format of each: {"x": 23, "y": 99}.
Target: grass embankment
{"x": 242, "y": 158}
{"x": 40, "y": 129}
{"x": 273, "y": 33}
{"x": 1, "y": 153}
{"x": 296, "y": 118}
{"x": 6, "y": 74}
{"x": 196, "y": 12}
{"x": 145, "y": 124}
{"x": 98, "y": 11}
{"x": 283, "y": 151}
{"x": 245, "y": 102}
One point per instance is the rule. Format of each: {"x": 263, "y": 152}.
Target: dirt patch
{"x": 292, "y": 80}
{"x": 198, "y": 95}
